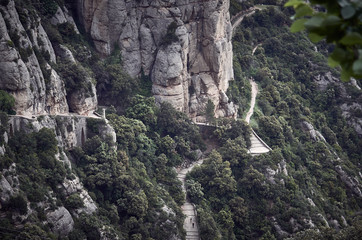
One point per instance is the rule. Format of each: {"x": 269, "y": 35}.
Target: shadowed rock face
{"x": 184, "y": 45}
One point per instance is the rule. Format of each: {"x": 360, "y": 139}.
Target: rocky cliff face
{"x": 184, "y": 45}
{"x": 26, "y": 56}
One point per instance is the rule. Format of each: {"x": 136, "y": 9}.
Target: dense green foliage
{"x": 7, "y": 102}
{"x": 38, "y": 174}
{"x": 260, "y": 196}
{"x": 290, "y": 192}
{"x": 133, "y": 182}
{"x": 136, "y": 178}
{"x": 338, "y": 22}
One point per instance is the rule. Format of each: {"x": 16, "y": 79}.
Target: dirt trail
{"x": 254, "y": 92}
{"x": 238, "y": 18}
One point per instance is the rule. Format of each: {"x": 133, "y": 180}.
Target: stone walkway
{"x": 190, "y": 225}
{"x": 258, "y": 146}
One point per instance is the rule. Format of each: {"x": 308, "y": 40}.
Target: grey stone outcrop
{"x": 189, "y": 65}
{"x": 61, "y": 221}
{"x": 25, "y": 77}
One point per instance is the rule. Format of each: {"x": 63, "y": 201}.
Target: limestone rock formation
{"x": 348, "y": 110}
{"x": 314, "y": 134}
{"x": 74, "y": 186}
{"x": 184, "y": 45}
{"x": 61, "y": 221}
{"x": 351, "y": 183}
{"x": 9, "y": 183}
{"x": 26, "y": 72}
{"x": 63, "y": 16}
{"x": 20, "y": 71}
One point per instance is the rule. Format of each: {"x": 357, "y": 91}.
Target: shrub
{"x": 7, "y": 102}
{"x": 53, "y": 33}
{"x": 74, "y": 75}
{"x": 93, "y": 123}
{"x": 73, "y": 202}
{"x": 18, "y": 203}
{"x": 47, "y": 7}
{"x": 170, "y": 35}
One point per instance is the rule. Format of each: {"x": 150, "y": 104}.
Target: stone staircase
{"x": 190, "y": 224}
{"x": 258, "y": 146}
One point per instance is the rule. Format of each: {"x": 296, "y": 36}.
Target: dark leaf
{"x": 351, "y": 39}
{"x": 348, "y": 12}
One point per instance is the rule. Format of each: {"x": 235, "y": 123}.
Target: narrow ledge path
{"x": 238, "y": 18}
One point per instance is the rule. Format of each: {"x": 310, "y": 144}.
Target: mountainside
{"x": 184, "y": 46}
{"x": 124, "y": 119}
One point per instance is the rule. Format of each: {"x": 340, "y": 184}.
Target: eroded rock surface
{"x": 26, "y": 59}
{"x": 75, "y": 186}
{"x": 185, "y": 46}
{"x": 20, "y": 71}
{"x": 61, "y": 221}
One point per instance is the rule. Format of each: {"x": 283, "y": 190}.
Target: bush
{"x": 47, "y": 7}
{"x": 170, "y": 35}
{"x": 53, "y": 33}
{"x": 93, "y": 124}
{"x": 73, "y": 202}
{"x": 74, "y": 75}
{"x": 7, "y": 102}
{"x": 18, "y": 203}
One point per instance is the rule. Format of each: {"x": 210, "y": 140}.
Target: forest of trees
{"x": 296, "y": 191}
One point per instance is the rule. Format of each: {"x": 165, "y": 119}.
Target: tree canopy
{"x": 339, "y": 22}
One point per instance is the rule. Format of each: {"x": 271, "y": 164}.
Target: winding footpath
{"x": 258, "y": 146}
{"x": 254, "y": 92}
{"x": 238, "y": 18}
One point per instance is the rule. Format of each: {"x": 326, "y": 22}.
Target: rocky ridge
{"x": 185, "y": 47}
